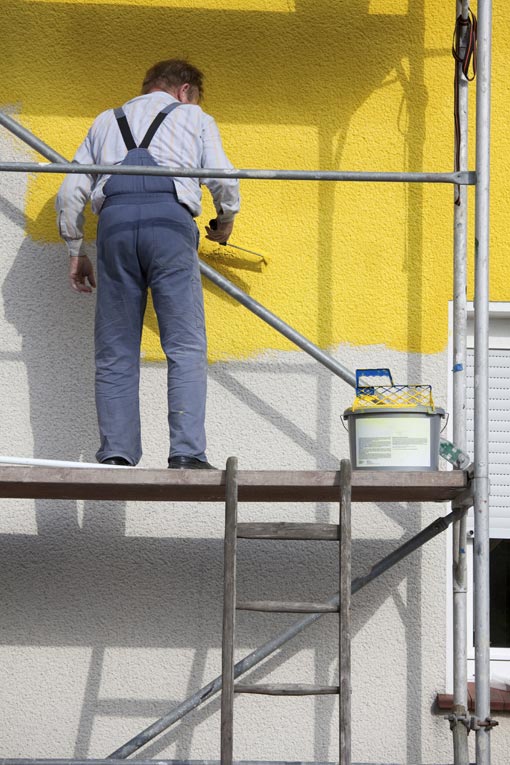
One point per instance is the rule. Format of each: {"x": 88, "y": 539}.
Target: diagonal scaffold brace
{"x": 261, "y": 653}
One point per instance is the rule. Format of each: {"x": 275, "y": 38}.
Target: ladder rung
{"x": 297, "y": 689}
{"x": 286, "y": 607}
{"x": 306, "y": 531}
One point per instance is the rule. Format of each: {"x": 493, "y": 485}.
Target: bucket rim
{"x": 437, "y": 411}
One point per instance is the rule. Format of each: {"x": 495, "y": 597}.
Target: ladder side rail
{"x": 229, "y": 608}
{"x": 344, "y": 613}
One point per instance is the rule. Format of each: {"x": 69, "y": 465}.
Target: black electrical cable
{"x": 464, "y": 53}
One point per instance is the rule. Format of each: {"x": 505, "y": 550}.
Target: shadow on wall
{"x": 91, "y": 585}
{"x": 272, "y": 61}
{"x": 312, "y": 63}
{"x": 57, "y": 349}
{"x": 114, "y": 593}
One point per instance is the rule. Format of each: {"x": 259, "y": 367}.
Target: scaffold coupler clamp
{"x": 476, "y": 724}
{"x": 459, "y": 719}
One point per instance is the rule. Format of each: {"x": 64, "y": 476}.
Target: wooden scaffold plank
{"x": 130, "y": 484}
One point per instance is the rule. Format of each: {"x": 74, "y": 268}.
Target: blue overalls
{"x": 146, "y": 238}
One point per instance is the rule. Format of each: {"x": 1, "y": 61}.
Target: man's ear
{"x": 183, "y": 93}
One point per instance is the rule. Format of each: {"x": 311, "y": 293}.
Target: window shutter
{"x": 499, "y": 438}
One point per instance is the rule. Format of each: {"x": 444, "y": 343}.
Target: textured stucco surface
{"x": 111, "y": 612}
{"x": 361, "y": 85}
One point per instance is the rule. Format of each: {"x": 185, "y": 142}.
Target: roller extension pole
{"x": 459, "y": 569}
{"x": 282, "y": 327}
{"x": 29, "y": 138}
{"x": 270, "y": 318}
{"x": 481, "y": 402}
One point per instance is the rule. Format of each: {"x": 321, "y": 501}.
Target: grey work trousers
{"x": 148, "y": 241}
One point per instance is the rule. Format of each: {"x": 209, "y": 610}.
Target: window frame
{"x": 499, "y": 337}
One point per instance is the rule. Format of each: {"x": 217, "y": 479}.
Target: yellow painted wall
{"x": 342, "y": 84}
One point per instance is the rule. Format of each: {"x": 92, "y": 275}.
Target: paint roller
{"x": 261, "y": 257}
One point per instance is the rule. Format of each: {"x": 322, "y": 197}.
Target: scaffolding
{"x": 233, "y": 486}
{"x": 462, "y": 488}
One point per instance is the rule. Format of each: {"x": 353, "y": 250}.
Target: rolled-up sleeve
{"x": 224, "y": 191}
{"x": 72, "y": 198}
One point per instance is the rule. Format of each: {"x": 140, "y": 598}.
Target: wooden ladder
{"x": 303, "y": 531}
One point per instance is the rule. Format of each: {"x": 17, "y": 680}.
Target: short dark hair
{"x": 171, "y": 74}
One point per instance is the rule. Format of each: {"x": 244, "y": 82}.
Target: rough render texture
{"x": 111, "y": 612}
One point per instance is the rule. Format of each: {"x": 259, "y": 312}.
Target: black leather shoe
{"x": 115, "y": 461}
{"x": 189, "y": 463}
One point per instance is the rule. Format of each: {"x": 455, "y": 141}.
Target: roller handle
{"x": 213, "y": 223}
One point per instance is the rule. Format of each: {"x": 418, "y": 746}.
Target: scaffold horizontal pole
{"x": 73, "y": 168}
{"x": 37, "y": 761}
{"x": 58, "y": 164}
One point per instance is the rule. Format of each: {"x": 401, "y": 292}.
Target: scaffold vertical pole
{"x": 481, "y": 388}
{"x": 459, "y": 572}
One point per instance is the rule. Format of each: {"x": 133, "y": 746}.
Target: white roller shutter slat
{"x": 499, "y": 437}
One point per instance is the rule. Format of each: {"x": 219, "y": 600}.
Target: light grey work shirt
{"x": 187, "y": 138}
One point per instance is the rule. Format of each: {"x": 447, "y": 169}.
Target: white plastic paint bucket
{"x": 382, "y": 438}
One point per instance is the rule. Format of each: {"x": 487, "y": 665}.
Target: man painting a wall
{"x": 147, "y": 238}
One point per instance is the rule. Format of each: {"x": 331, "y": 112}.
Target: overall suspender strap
{"x": 158, "y": 119}
{"x": 124, "y": 128}
{"x": 151, "y": 132}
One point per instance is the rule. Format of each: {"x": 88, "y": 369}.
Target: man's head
{"x": 177, "y": 77}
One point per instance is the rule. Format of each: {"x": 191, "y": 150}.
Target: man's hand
{"x": 81, "y": 271}
{"x": 219, "y": 232}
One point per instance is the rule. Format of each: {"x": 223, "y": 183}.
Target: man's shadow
{"x": 57, "y": 331}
